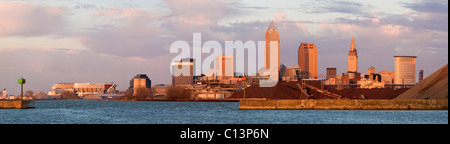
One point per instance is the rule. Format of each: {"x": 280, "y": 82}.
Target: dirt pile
{"x": 434, "y": 86}
{"x": 41, "y": 95}
{"x": 67, "y": 96}
{"x": 290, "y": 90}
{"x": 380, "y": 93}
{"x": 279, "y": 91}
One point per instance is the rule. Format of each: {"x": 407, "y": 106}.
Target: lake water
{"x": 158, "y": 112}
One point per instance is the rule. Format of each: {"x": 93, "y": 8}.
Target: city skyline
{"x": 111, "y": 41}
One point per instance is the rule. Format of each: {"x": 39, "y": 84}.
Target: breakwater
{"x": 334, "y": 104}
{"x": 13, "y": 104}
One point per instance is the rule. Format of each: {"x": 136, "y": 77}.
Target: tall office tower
{"x": 307, "y": 60}
{"x": 405, "y": 69}
{"x": 140, "y": 81}
{"x": 224, "y": 66}
{"x": 272, "y": 35}
{"x": 4, "y": 93}
{"x": 183, "y": 72}
{"x": 353, "y": 57}
{"x": 331, "y": 72}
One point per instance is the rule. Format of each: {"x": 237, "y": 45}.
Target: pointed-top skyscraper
{"x": 272, "y": 26}
{"x": 353, "y": 46}
{"x": 353, "y": 57}
{"x": 271, "y": 35}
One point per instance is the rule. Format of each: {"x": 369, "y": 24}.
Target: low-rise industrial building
{"x": 293, "y": 73}
{"x": 159, "y": 90}
{"x": 82, "y": 89}
{"x": 387, "y": 77}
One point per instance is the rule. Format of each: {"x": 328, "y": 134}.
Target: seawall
{"x": 334, "y": 104}
{"x": 14, "y": 104}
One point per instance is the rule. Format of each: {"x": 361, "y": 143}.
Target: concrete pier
{"x": 13, "y": 104}
{"x": 335, "y": 104}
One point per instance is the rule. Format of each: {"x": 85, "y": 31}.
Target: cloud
{"x": 197, "y": 12}
{"x": 419, "y": 21}
{"x": 280, "y": 17}
{"x": 283, "y": 21}
{"x": 125, "y": 32}
{"x": 429, "y": 6}
{"x": 426, "y": 15}
{"x": 416, "y": 21}
{"x": 187, "y": 17}
{"x": 208, "y": 8}
{"x": 113, "y": 12}
{"x": 328, "y": 6}
{"x": 27, "y": 19}
{"x": 394, "y": 29}
{"x": 143, "y": 33}
{"x": 86, "y": 6}
{"x": 132, "y": 40}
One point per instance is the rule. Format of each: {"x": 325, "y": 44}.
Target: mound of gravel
{"x": 434, "y": 86}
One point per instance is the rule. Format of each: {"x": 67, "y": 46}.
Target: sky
{"x": 102, "y": 41}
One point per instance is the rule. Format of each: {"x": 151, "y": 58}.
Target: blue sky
{"x": 52, "y": 41}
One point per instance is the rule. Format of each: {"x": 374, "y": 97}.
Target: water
{"x": 157, "y": 112}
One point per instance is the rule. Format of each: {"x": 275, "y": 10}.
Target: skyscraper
{"x": 183, "y": 72}
{"x": 224, "y": 66}
{"x": 4, "y": 94}
{"x": 272, "y": 35}
{"x": 331, "y": 72}
{"x": 140, "y": 81}
{"x": 405, "y": 70}
{"x": 307, "y": 60}
{"x": 353, "y": 57}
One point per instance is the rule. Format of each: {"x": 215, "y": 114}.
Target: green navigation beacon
{"x": 21, "y": 82}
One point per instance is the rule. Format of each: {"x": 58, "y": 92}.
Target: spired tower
{"x": 353, "y": 57}
{"x": 271, "y": 35}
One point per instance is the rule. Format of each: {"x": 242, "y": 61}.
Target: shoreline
{"x": 193, "y": 100}
{"x": 181, "y": 100}
{"x": 322, "y": 104}
{"x": 335, "y": 104}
